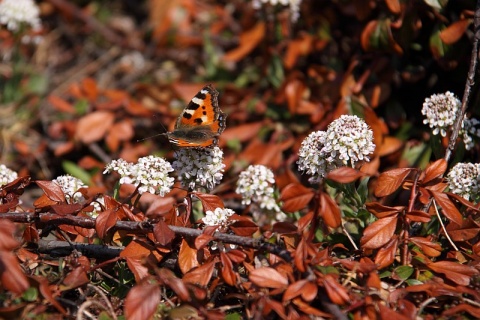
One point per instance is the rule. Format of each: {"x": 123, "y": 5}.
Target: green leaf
{"x": 74, "y": 170}
{"x": 31, "y": 294}
{"x": 413, "y": 282}
{"x": 275, "y": 72}
{"x": 233, "y": 316}
{"x": 404, "y": 272}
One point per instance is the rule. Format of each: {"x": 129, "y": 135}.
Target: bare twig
{"x": 63, "y": 248}
{"x": 349, "y": 237}
{"x": 104, "y": 297}
{"x": 50, "y": 219}
{"x": 468, "y": 86}
{"x": 443, "y": 226}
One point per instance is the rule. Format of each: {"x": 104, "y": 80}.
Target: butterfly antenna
{"x": 155, "y": 135}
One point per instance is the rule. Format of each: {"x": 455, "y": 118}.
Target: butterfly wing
{"x": 201, "y": 122}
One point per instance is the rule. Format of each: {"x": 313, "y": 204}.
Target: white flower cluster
{"x": 255, "y": 185}
{"x": 470, "y": 129}
{"x": 440, "y": 111}
{"x": 293, "y": 4}
{"x": 199, "y": 168}
{"x": 150, "y": 173}
{"x": 219, "y": 217}
{"x": 6, "y": 175}
{"x": 70, "y": 186}
{"x": 347, "y": 140}
{"x": 464, "y": 180}
{"x": 14, "y": 13}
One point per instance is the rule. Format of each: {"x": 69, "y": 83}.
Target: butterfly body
{"x": 201, "y": 122}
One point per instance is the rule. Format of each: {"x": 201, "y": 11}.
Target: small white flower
{"x": 310, "y": 158}
{"x": 70, "y": 186}
{"x": 14, "y": 13}
{"x": 470, "y": 130}
{"x": 464, "y": 180}
{"x": 150, "y": 174}
{"x": 255, "y": 185}
{"x": 348, "y": 140}
{"x": 199, "y": 168}
{"x": 219, "y": 217}
{"x": 6, "y": 175}
{"x": 294, "y": 6}
{"x": 440, "y": 111}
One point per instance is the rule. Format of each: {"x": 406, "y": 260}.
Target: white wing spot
{"x": 197, "y": 101}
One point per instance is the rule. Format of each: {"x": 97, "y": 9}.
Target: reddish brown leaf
{"x": 142, "y": 301}
{"x": 298, "y": 47}
{"x": 449, "y": 209}
{"x": 295, "y": 197}
{"x": 137, "y": 249}
{"x": 242, "y": 132}
{"x": 454, "y": 311}
{"x": 463, "y": 201}
{"x": 120, "y": 131}
{"x": 310, "y": 291}
{"x": 90, "y": 88}
{"x": 294, "y": 91}
{"x": 310, "y": 310}
{"x": 386, "y": 255}
{"x": 455, "y": 31}
{"x": 344, "y": 175}
{"x": 382, "y": 211}
{"x": 284, "y": 228}
{"x": 335, "y": 291}
{"x": 428, "y": 247}
{"x": 393, "y": 6}
{"x": 468, "y": 230}
{"x": 294, "y": 290}
{"x": 418, "y": 216}
{"x": 268, "y": 277}
{"x": 228, "y": 274}
{"x": 12, "y": 277}
{"x": 435, "y": 170}
{"x": 46, "y": 292}
{"x": 300, "y": 255}
{"x": 29, "y": 235}
{"x": 389, "y": 314}
{"x": 163, "y": 234}
{"x": 329, "y": 211}
{"x": 187, "y": 257}
{"x": 390, "y": 181}
{"x": 456, "y": 272}
{"x": 244, "y": 228}
{"x": 379, "y": 233}
{"x": 94, "y": 126}
{"x": 176, "y": 284}
{"x": 76, "y": 278}
{"x": 364, "y": 267}
{"x": 138, "y": 268}
{"x": 210, "y": 202}
{"x": 248, "y": 41}
{"x": 201, "y": 275}
{"x": 61, "y": 105}
{"x": 7, "y": 240}
{"x": 389, "y": 146}
{"x": 202, "y": 240}
{"x": 105, "y": 221}
{"x": 52, "y": 190}
{"x": 236, "y": 256}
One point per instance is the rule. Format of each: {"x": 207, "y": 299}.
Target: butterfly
{"x": 201, "y": 122}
